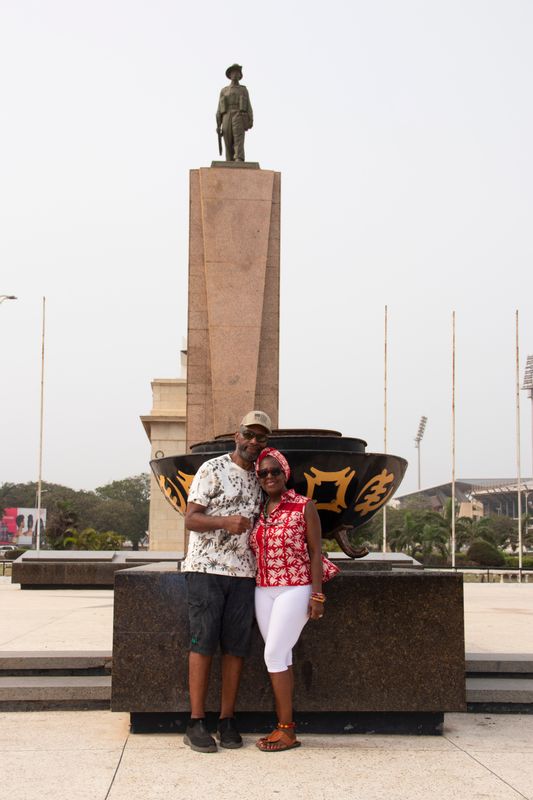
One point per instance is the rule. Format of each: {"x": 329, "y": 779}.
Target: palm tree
{"x": 435, "y": 537}
{"x": 62, "y": 520}
{"x": 406, "y": 536}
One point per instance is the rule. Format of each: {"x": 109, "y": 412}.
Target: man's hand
{"x": 197, "y": 520}
{"x": 237, "y": 524}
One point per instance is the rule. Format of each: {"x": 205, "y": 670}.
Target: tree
{"x": 435, "y": 537}
{"x": 61, "y": 521}
{"x": 121, "y": 506}
{"x": 131, "y": 499}
{"x": 404, "y": 535}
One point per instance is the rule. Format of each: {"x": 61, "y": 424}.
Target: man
{"x": 223, "y": 502}
{"x": 234, "y": 114}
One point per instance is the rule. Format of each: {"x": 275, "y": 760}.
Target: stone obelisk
{"x": 233, "y": 323}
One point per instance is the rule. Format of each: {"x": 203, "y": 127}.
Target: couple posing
{"x": 252, "y": 543}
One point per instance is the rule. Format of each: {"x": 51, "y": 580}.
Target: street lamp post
{"x": 418, "y": 438}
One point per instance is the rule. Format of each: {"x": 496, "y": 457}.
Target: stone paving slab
{"x": 36, "y": 731}
{"x": 50, "y": 619}
{"x": 498, "y": 617}
{"x": 317, "y": 770}
{"x": 514, "y": 768}
{"x": 55, "y": 775}
{"x": 92, "y": 756}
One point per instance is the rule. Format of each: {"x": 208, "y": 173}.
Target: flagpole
{"x": 453, "y": 439}
{"x": 39, "y": 482}
{"x": 385, "y": 365}
{"x": 518, "y": 469}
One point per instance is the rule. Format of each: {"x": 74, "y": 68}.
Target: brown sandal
{"x": 277, "y": 741}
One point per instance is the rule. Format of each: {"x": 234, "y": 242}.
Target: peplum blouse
{"x": 280, "y": 545}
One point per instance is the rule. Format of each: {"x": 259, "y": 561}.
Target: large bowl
{"x": 347, "y": 484}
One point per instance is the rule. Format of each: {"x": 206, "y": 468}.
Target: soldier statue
{"x": 234, "y": 115}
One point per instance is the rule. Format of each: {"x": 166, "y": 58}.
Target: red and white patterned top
{"x": 280, "y": 545}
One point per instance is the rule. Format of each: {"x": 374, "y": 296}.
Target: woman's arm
{"x": 314, "y": 545}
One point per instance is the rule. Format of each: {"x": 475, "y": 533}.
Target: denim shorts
{"x": 221, "y": 612}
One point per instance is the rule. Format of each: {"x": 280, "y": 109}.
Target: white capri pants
{"x": 281, "y": 613}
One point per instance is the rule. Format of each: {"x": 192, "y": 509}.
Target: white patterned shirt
{"x": 224, "y": 489}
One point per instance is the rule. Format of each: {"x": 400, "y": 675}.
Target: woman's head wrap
{"x": 279, "y": 457}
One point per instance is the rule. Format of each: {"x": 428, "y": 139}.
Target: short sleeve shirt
{"x": 224, "y": 489}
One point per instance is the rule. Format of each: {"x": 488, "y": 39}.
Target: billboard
{"x": 18, "y": 526}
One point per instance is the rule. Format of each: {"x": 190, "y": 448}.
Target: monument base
{"x": 390, "y": 651}
{"x": 348, "y": 722}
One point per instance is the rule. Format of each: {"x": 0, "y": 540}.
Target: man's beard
{"x": 245, "y": 455}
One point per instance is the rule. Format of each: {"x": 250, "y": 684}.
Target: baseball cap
{"x": 257, "y": 418}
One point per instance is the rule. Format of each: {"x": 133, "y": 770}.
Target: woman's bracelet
{"x": 319, "y": 597}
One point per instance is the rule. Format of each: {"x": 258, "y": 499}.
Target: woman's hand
{"x": 316, "y": 609}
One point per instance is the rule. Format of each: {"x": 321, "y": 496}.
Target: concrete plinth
{"x": 391, "y": 643}
{"x": 233, "y": 323}
{"x": 60, "y": 569}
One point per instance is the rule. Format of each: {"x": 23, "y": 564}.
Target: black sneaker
{"x": 198, "y": 737}
{"x": 227, "y": 733}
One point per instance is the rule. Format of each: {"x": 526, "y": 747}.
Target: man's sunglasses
{"x": 260, "y": 438}
{"x": 275, "y": 472}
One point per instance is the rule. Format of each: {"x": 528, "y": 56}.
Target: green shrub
{"x": 512, "y": 562}
{"x": 461, "y": 559}
{"x": 485, "y": 554}
{"x": 433, "y": 560}
{"x": 330, "y": 546}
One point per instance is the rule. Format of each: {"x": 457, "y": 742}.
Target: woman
{"x": 286, "y": 540}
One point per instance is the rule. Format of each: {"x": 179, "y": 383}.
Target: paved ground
{"x": 498, "y": 618}
{"x": 91, "y": 756}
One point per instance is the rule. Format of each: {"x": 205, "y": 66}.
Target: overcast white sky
{"x": 403, "y": 131}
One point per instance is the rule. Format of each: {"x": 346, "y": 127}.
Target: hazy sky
{"x": 403, "y": 131}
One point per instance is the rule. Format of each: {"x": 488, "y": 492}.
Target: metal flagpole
{"x": 39, "y": 483}
{"x": 453, "y": 439}
{"x": 385, "y": 424}
{"x": 519, "y": 478}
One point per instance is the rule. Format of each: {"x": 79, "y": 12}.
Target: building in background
{"x": 476, "y": 497}
{"x": 165, "y": 428}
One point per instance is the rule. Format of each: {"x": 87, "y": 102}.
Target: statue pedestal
{"x": 233, "y": 326}
{"x": 388, "y": 656}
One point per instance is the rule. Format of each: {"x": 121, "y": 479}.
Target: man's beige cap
{"x": 257, "y": 418}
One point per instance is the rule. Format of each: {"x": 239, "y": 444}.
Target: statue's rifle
{"x": 219, "y": 133}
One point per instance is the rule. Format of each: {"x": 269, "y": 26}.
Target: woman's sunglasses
{"x": 275, "y": 472}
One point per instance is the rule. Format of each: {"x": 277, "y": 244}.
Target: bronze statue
{"x": 234, "y": 115}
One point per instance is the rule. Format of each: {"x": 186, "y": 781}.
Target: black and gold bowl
{"x": 347, "y": 484}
